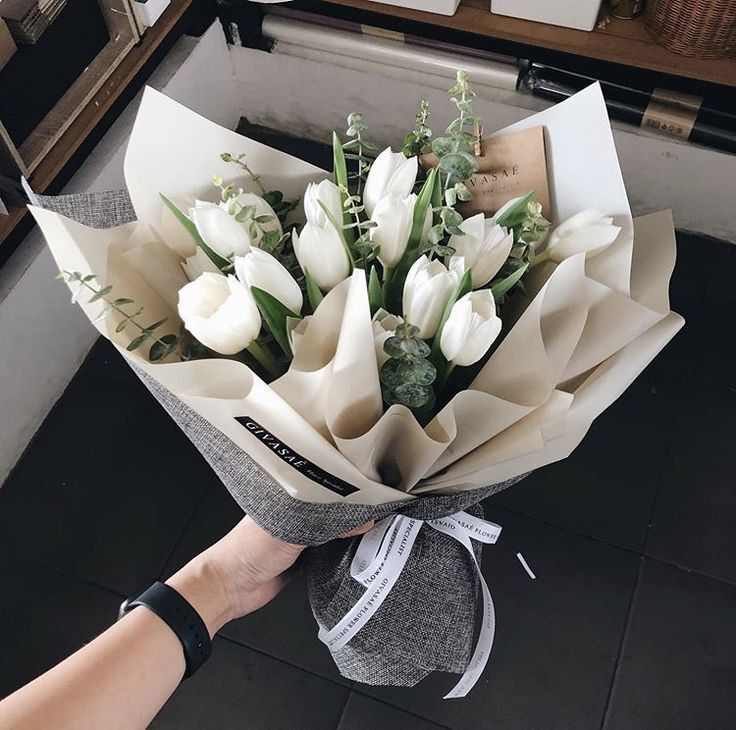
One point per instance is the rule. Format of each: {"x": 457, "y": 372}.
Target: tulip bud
{"x": 258, "y": 268}
{"x": 195, "y": 266}
{"x": 384, "y": 326}
{"x": 220, "y": 312}
{"x": 427, "y": 289}
{"x": 589, "y": 231}
{"x": 321, "y": 252}
{"x": 220, "y": 231}
{"x": 262, "y": 208}
{"x": 390, "y": 172}
{"x": 484, "y": 245}
{"x": 393, "y": 217}
{"x": 327, "y": 193}
{"x": 470, "y": 329}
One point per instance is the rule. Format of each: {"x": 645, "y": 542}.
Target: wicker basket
{"x": 703, "y": 28}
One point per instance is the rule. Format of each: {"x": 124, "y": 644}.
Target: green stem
{"x": 446, "y": 372}
{"x": 540, "y": 258}
{"x": 265, "y": 359}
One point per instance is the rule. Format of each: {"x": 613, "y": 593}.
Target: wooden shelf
{"x": 84, "y": 123}
{"x": 624, "y": 42}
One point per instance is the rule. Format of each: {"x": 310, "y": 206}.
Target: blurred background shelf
{"x": 624, "y": 42}
{"x": 53, "y": 141}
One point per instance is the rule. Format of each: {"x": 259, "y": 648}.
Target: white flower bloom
{"x": 320, "y": 251}
{"x": 384, "y": 326}
{"x": 258, "y": 268}
{"x": 295, "y": 330}
{"x": 393, "y": 216}
{"x": 427, "y": 289}
{"x": 589, "y": 231}
{"x": 329, "y": 194}
{"x": 484, "y": 245}
{"x": 262, "y": 208}
{"x": 220, "y": 231}
{"x": 470, "y": 329}
{"x": 195, "y": 266}
{"x": 390, "y": 172}
{"x": 220, "y": 312}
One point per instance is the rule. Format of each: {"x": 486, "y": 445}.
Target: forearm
{"x": 123, "y": 677}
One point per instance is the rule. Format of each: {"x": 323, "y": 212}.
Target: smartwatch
{"x": 175, "y": 611}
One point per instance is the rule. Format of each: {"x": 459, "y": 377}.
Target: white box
{"x": 580, "y": 14}
{"x": 441, "y": 7}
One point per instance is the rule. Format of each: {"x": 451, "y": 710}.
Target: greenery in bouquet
{"x": 437, "y": 281}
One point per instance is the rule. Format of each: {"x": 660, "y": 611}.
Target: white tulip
{"x": 470, "y": 329}
{"x": 329, "y": 194}
{"x": 427, "y": 289}
{"x": 484, "y": 245}
{"x": 589, "y": 231}
{"x": 258, "y": 268}
{"x": 390, "y": 172}
{"x": 220, "y": 312}
{"x": 195, "y": 266}
{"x": 295, "y": 331}
{"x": 321, "y": 252}
{"x": 262, "y": 208}
{"x": 384, "y": 326}
{"x": 220, "y": 231}
{"x": 393, "y": 216}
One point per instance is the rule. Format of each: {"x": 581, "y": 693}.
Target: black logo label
{"x": 291, "y": 457}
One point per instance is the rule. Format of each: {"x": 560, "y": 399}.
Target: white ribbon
{"x": 378, "y": 562}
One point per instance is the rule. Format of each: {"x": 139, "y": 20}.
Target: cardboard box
{"x": 7, "y": 44}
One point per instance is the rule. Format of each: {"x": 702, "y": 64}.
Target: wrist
{"x": 202, "y": 584}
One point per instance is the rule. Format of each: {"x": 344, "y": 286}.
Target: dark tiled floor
{"x": 630, "y": 625}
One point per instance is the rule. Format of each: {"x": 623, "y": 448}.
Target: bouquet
{"x": 392, "y": 341}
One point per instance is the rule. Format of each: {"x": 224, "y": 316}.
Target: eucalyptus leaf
{"x": 163, "y": 347}
{"x": 101, "y": 293}
{"x": 138, "y": 341}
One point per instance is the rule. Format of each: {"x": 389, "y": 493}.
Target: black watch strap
{"x": 182, "y": 619}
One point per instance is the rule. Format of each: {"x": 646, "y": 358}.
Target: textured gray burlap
{"x": 426, "y": 623}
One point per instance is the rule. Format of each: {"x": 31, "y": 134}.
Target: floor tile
{"x": 678, "y": 664}
{"x": 364, "y": 713}
{"x": 688, "y": 286}
{"x": 241, "y": 688}
{"x": 44, "y": 617}
{"x": 105, "y": 488}
{"x": 694, "y": 521}
{"x": 557, "y": 637}
{"x": 285, "y": 628}
{"x": 606, "y": 488}
{"x": 715, "y": 346}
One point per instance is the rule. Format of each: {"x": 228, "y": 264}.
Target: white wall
{"x": 43, "y": 338}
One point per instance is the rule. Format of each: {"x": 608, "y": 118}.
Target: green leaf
{"x": 516, "y": 213}
{"x": 502, "y": 287}
{"x": 274, "y": 315}
{"x": 464, "y": 286}
{"x": 155, "y": 325}
{"x": 339, "y": 168}
{"x": 163, "y": 347}
{"x": 122, "y": 325}
{"x": 191, "y": 229}
{"x": 375, "y": 295}
{"x": 314, "y": 293}
{"x": 101, "y": 293}
{"x": 103, "y": 314}
{"x": 138, "y": 341}
{"x": 121, "y": 301}
{"x": 442, "y": 146}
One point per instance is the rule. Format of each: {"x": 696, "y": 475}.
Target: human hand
{"x": 239, "y": 574}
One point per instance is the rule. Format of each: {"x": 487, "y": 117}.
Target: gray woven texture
{"x": 426, "y": 624}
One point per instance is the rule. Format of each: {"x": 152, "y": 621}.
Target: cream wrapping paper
{"x": 588, "y": 330}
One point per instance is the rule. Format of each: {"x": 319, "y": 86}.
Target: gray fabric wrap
{"x": 426, "y": 623}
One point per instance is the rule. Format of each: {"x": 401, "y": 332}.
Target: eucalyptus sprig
{"x": 240, "y": 161}
{"x": 417, "y": 141}
{"x": 162, "y": 346}
{"x": 363, "y": 247}
{"x": 407, "y": 376}
{"x": 359, "y": 143}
